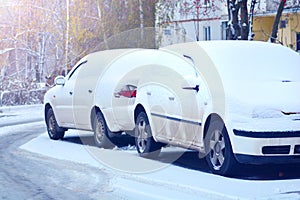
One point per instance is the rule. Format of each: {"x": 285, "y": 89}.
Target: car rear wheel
{"x": 101, "y": 136}
{"x": 146, "y": 145}
{"x": 220, "y": 157}
{"x": 54, "y": 131}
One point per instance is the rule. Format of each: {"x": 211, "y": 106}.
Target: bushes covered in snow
{"x": 20, "y": 92}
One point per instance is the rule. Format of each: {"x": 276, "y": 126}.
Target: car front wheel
{"x": 220, "y": 157}
{"x": 101, "y": 136}
{"x": 146, "y": 145}
{"x": 54, "y": 131}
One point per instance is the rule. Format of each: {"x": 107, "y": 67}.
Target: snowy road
{"x": 24, "y": 175}
{"x": 34, "y": 167}
{"x": 15, "y": 115}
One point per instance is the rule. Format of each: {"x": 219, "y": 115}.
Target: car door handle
{"x": 171, "y": 98}
{"x": 192, "y": 88}
{"x": 117, "y": 95}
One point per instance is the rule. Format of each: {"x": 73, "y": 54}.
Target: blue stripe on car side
{"x": 177, "y": 119}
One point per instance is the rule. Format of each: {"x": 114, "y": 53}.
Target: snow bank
{"x": 13, "y": 115}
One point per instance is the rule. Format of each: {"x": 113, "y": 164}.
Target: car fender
{"x": 49, "y": 102}
{"x": 142, "y": 102}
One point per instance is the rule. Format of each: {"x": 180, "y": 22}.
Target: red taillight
{"x": 133, "y": 94}
{"x": 127, "y": 93}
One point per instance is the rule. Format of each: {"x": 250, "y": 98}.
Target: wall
{"x": 262, "y": 27}
{"x": 288, "y": 35}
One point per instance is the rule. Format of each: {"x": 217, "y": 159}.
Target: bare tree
{"x": 244, "y": 20}
{"x": 142, "y": 25}
{"x": 102, "y": 28}
{"x": 240, "y": 21}
{"x": 50, "y": 35}
{"x": 251, "y": 15}
{"x": 274, "y": 33}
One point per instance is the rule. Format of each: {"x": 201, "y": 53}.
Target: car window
{"x": 189, "y": 58}
{"x": 75, "y": 71}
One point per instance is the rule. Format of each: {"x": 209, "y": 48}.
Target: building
{"x": 207, "y": 20}
{"x": 289, "y": 26}
{"x": 195, "y": 20}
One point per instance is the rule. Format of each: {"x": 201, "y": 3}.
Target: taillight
{"x": 126, "y": 93}
{"x": 129, "y": 91}
{"x": 133, "y": 94}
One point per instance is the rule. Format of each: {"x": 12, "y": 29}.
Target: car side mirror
{"x": 59, "y": 80}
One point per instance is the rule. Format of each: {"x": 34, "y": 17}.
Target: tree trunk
{"x": 17, "y": 58}
{"x": 251, "y": 34}
{"x": 233, "y": 29}
{"x": 230, "y": 30}
{"x": 42, "y": 51}
{"x": 244, "y": 20}
{"x": 235, "y": 20}
{"x": 276, "y": 21}
{"x": 197, "y": 24}
{"x": 102, "y": 25}
{"x": 67, "y": 36}
{"x": 141, "y": 22}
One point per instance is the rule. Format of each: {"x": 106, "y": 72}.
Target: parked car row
{"x": 233, "y": 101}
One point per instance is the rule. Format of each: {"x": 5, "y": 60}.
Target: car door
{"x": 192, "y": 98}
{"x": 84, "y": 93}
{"x": 178, "y": 103}
{"x": 64, "y": 99}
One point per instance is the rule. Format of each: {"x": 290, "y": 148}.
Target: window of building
{"x": 224, "y": 30}
{"x": 167, "y": 32}
{"x": 207, "y": 33}
{"x": 206, "y": 3}
{"x": 298, "y": 42}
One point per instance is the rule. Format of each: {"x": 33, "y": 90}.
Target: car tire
{"x": 101, "y": 132}
{"x": 146, "y": 146}
{"x": 54, "y": 131}
{"x": 219, "y": 156}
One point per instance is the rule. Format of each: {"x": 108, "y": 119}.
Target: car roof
{"x": 244, "y": 59}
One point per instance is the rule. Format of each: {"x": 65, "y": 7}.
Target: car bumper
{"x": 259, "y": 150}
{"x": 257, "y": 160}
{"x": 267, "y": 143}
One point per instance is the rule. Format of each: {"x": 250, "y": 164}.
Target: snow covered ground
{"x": 13, "y": 115}
{"x": 136, "y": 178}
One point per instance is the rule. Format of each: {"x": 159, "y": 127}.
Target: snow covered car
{"x": 239, "y": 104}
{"x": 233, "y": 101}
{"x": 98, "y": 94}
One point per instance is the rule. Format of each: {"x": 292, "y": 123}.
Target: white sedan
{"x": 233, "y": 101}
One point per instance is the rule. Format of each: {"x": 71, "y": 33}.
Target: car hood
{"x": 264, "y": 99}
{"x": 258, "y": 78}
